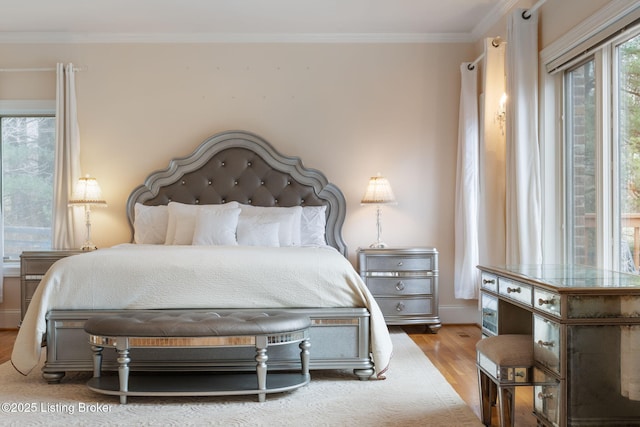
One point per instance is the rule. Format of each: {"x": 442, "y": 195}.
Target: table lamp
{"x": 379, "y": 193}
{"x": 87, "y": 193}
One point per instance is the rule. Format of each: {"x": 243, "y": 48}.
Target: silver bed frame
{"x": 240, "y": 166}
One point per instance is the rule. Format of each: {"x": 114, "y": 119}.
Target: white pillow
{"x": 312, "y": 226}
{"x": 288, "y": 218}
{"x": 216, "y": 227}
{"x": 150, "y": 224}
{"x": 182, "y": 221}
{"x": 255, "y": 231}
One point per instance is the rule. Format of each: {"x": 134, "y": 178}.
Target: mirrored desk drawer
{"x": 515, "y": 290}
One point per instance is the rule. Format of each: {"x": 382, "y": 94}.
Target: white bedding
{"x": 134, "y": 276}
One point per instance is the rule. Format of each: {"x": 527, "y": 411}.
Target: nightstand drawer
{"x": 405, "y": 307}
{"x": 404, "y": 283}
{"x": 399, "y": 263}
{"x": 37, "y": 267}
{"x": 399, "y": 286}
{"x": 30, "y": 287}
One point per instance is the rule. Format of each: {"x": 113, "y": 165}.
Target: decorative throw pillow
{"x": 182, "y": 221}
{"x": 255, "y": 231}
{"x": 288, "y": 218}
{"x": 150, "y": 224}
{"x": 312, "y": 226}
{"x": 216, "y": 227}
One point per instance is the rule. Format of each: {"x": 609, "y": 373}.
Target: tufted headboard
{"x": 240, "y": 166}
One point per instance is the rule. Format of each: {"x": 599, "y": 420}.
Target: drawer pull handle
{"x": 543, "y": 396}
{"x": 400, "y": 263}
{"x": 546, "y": 301}
{"x": 400, "y": 306}
{"x": 488, "y": 281}
{"x": 545, "y": 343}
{"x": 400, "y": 286}
{"x": 516, "y": 290}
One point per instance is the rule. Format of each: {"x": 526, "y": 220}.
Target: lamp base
{"x": 378, "y": 245}
{"x": 88, "y": 246}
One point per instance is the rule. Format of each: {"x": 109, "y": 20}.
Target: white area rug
{"x": 414, "y": 394}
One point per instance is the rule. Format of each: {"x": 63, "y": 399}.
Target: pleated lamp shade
{"x": 87, "y": 192}
{"x": 378, "y": 192}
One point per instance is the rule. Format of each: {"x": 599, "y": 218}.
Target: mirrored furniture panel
{"x": 585, "y": 328}
{"x": 404, "y": 283}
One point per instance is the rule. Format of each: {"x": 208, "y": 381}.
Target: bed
{"x": 217, "y": 229}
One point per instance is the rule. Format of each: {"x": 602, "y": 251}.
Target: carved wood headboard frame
{"x": 241, "y": 166}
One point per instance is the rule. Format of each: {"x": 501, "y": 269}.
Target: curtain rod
{"x": 527, "y": 13}
{"x": 496, "y": 42}
{"x": 30, "y": 70}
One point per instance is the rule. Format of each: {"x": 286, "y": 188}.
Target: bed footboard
{"x": 339, "y": 340}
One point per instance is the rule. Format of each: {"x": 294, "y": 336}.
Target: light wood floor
{"x": 451, "y": 350}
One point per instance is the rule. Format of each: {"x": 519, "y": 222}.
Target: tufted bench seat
{"x": 186, "y": 328}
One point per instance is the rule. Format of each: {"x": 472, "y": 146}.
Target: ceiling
{"x": 247, "y": 20}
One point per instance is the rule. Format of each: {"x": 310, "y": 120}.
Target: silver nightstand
{"x": 404, "y": 282}
{"x": 33, "y": 266}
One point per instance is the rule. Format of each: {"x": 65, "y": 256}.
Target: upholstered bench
{"x": 503, "y": 362}
{"x": 188, "y": 328}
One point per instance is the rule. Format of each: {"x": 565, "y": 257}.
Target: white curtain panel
{"x": 66, "y": 220}
{"x": 523, "y": 205}
{"x": 492, "y": 158}
{"x": 466, "y": 208}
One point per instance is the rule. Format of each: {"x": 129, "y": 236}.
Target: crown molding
{"x": 490, "y": 19}
{"x": 70, "y": 38}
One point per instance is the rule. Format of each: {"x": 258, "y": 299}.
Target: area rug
{"x": 414, "y": 394}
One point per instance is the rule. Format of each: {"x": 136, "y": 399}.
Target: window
{"x": 28, "y": 150}
{"x": 627, "y": 93}
{"x": 580, "y": 148}
{"x": 595, "y": 190}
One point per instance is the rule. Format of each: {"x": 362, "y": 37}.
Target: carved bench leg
{"x": 304, "y": 345}
{"x": 261, "y": 366}
{"x": 123, "y": 369}
{"x": 97, "y": 360}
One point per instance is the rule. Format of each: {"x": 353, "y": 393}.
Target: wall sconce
{"x": 378, "y": 193}
{"x": 501, "y": 114}
{"x": 87, "y": 193}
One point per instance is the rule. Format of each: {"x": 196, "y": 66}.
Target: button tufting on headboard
{"x": 240, "y": 166}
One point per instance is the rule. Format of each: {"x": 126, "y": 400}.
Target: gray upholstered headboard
{"x": 240, "y": 166}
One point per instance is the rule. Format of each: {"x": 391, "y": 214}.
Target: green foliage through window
{"x": 28, "y": 155}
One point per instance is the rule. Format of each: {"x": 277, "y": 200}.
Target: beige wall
{"x": 350, "y": 110}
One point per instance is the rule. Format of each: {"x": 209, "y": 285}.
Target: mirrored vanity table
{"x": 585, "y": 324}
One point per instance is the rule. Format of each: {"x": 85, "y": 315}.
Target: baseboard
{"x": 459, "y": 314}
{"x": 9, "y": 319}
